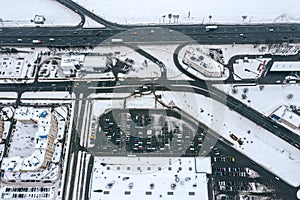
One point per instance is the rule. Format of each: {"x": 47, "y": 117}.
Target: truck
{"x": 209, "y": 28}
{"x": 233, "y": 137}
{"x": 36, "y": 41}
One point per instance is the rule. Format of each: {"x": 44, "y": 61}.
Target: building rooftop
{"x": 149, "y": 178}
{"x": 203, "y": 63}
{"x": 286, "y": 117}
{"x": 30, "y": 139}
{"x": 286, "y": 66}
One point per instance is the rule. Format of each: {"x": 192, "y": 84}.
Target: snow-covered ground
{"x": 5, "y": 95}
{"x": 194, "y": 11}
{"x": 139, "y": 69}
{"x": 265, "y": 98}
{"x": 90, "y": 23}
{"x": 8, "y": 97}
{"x": 45, "y": 98}
{"x": 20, "y": 12}
{"x": 46, "y": 95}
{"x": 250, "y": 68}
{"x": 165, "y": 54}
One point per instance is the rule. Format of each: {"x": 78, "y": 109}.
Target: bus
{"x": 209, "y": 28}
{"x": 116, "y": 40}
{"x": 36, "y": 41}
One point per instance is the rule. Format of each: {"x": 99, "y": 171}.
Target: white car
{"x": 292, "y": 78}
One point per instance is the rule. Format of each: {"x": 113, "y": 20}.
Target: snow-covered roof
{"x": 203, "y": 165}
{"x": 11, "y": 66}
{"x": 72, "y": 58}
{"x": 30, "y": 140}
{"x": 286, "y": 117}
{"x": 285, "y": 66}
{"x": 91, "y": 62}
{"x": 147, "y": 178}
{"x": 203, "y": 63}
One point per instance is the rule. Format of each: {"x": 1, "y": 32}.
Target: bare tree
{"x": 234, "y": 90}
{"x": 261, "y": 87}
{"x": 170, "y": 17}
{"x": 290, "y": 96}
{"x": 174, "y": 18}
{"x": 244, "y": 96}
{"x": 177, "y": 16}
{"x": 209, "y": 17}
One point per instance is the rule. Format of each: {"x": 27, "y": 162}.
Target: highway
{"x": 78, "y": 36}
{"x": 73, "y": 36}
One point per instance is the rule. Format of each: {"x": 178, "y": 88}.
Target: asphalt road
{"x": 173, "y": 33}
{"x": 73, "y": 36}
{"x": 199, "y": 87}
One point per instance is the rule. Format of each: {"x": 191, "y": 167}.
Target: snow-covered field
{"x": 151, "y": 70}
{"x": 90, "y": 23}
{"x": 252, "y": 65}
{"x": 266, "y": 98}
{"x": 20, "y": 12}
{"x": 195, "y": 11}
{"x": 165, "y": 54}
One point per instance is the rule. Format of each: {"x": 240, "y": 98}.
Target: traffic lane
{"x": 181, "y": 28}
{"x": 58, "y": 41}
{"x": 90, "y": 39}
{"x": 143, "y": 31}
{"x": 62, "y": 32}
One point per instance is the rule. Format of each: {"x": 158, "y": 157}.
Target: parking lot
{"x": 235, "y": 176}
{"x": 139, "y": 131}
